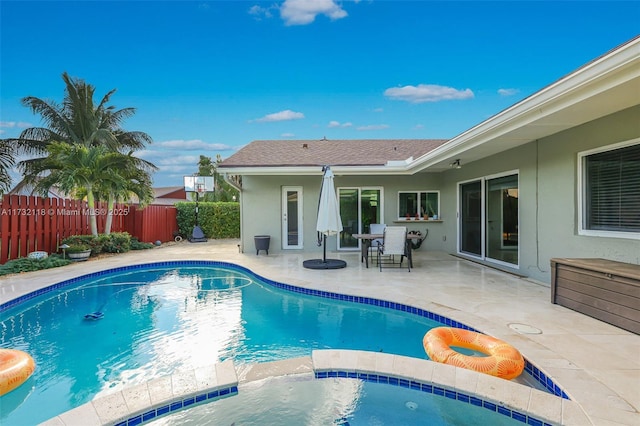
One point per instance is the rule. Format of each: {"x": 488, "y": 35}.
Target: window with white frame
{"x": 420, "y": 203}
{"x": 610, "y": 179}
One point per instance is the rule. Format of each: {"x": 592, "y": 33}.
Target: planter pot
{"x": 79, "y": 256}
{"x": 262, "y": 243}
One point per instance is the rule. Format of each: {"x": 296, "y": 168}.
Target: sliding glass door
{"x": 488, "y": 218}
{"x": 359, "y": 208}
{"x": 502, "y": 219}
{"x": 471, "y": 218}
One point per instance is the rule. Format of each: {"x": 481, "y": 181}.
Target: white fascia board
{"x": 615, "y": 68}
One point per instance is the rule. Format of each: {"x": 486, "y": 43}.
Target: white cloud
{"x": 285, "y": 115}
{"x": 508, "y": 92}
{"x": 427, "y": 93}
{"x": 373, "y": 127}
{"x": 303, "y": 12}
{"x": 287, "y": 135}
{"x": 259, "y": 12}
{"x": 194, "y": 145}
{"x": 12, "y": 124}
{"x": 334, "y": 123}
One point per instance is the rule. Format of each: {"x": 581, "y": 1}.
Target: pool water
{"x": 160, "y": 320}
{"x": 289, "y": 401}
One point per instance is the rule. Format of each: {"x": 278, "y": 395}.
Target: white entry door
{"x": 292, "y": 217}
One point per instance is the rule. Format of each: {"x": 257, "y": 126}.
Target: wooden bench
{"x": 600, "y": 288}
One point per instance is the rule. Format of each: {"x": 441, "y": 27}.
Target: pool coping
{"x": 139, "y": 404}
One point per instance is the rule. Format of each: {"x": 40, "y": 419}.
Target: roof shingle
{"x": 345, "y": 152}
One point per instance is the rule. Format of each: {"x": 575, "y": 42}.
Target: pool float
{"x": 502, "y": 360}
{"x": 15, "y": 368}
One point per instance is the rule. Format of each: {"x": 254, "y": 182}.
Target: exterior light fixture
{"x": 64, "y": 248}
{"x": 456, "y": 164}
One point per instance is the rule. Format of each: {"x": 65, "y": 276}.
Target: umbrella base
{"x": 324, "y": 264}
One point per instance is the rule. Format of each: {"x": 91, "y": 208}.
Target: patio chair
{"x": 375, "y": 228}
{"x": 394, "y": 243}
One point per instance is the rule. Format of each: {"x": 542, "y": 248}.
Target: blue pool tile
{"x": 476, "y": 401}
{"x": 149, "y": 415}
{"x": 134, "y": 421}
{"x": 504, "y": 411}
{"x": 438, "y": 391}
{"x": 463, "y": 397}
{"x": 162, "y": 410}
{"x": 450, "y": 394}
{"x": 175, "y": 406}
{"x": 488, "y": 405}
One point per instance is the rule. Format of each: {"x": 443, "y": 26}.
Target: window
{"x": 418, "y": 202}
{"x": 611, "y": 191}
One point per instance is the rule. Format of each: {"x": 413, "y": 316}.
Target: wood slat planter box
{"x": 600, "y": 288}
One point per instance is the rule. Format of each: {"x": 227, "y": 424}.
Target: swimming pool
{"x": 177, "y": 315}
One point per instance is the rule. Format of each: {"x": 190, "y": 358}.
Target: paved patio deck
{"x": 597, "y": 364}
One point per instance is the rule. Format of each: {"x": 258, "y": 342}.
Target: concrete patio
{"x": 597, "y": 364}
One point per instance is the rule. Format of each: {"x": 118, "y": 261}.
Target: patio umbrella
{"x": 329, "y": 223}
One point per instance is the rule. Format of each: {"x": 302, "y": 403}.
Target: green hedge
{"x": 217, "y": 220}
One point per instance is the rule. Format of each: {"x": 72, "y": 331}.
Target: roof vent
{"x": 304, "y": 145}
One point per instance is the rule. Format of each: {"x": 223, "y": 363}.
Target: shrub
{"x": 117, "y": 242}
{"x": 137, "y": 245}
{"x": 24, "y": 264}
{"x": 95, "y": 243}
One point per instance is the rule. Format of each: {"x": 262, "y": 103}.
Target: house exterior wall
{"x": 261, "y": 211}
{"x": 548, "y": 209}
{"x": 548, "y": 195}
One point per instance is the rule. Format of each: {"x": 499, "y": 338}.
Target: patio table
{"x": 366, "y": 243}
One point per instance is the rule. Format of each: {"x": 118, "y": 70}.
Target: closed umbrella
{"x": 329, "y": 223}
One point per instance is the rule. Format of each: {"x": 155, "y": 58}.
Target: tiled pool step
{"x": 148, "y": 401}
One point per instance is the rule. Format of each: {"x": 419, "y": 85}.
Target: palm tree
{"x": 136, "y": 179}
{"x": 76, "y": 123}
{"x": 75, "y": 168}
{"x": 7, "y": 161}
{"x": 79, "y": 120}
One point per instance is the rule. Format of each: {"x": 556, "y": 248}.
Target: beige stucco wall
{"x": 547, "y": 198}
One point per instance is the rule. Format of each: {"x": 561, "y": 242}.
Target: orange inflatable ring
{"x": 503, "y": 360}
{"x": 15, "y": 368}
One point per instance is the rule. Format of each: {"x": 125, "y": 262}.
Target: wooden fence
{"x": 29, "y": 223}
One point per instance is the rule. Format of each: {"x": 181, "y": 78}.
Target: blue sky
{"x": 207, "y": 77}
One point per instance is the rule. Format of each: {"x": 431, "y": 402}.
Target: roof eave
{"x": 316, "y": 170}
{"x": 620, "y": 66}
